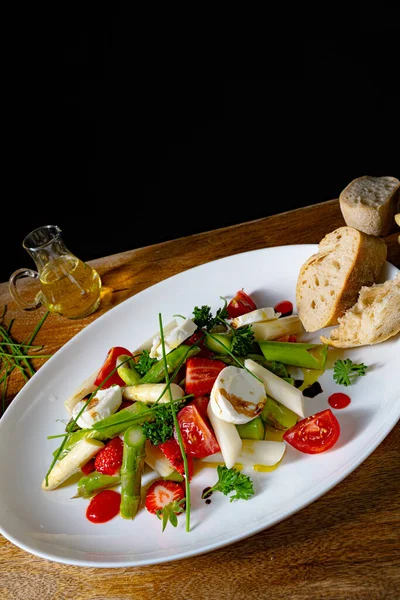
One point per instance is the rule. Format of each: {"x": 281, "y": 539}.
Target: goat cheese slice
{"x": 102, "y": 405}
{"x": 237, "y": 396}
{"x": 173, "y": 338}
{"x": 255, "y": 316}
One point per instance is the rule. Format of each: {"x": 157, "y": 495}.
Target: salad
{"x": 206, "y": 390}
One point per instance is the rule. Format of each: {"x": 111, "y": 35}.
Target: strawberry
{"x": 109, "y": 459}
{"x": 166, "y": 499}
{"x": 88, "y": 467}
{"x": 172, "y": 451}
{"x": 201, "y": 374}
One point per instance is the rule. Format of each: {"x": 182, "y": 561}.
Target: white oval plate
{"x": 53, "y": 526}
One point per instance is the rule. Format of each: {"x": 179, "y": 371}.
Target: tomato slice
{"x": 198, "y": 336}
{"x": 109, "y": 364}
{"x": 285, "y": 307}
{"x": 240, "y": 304}
{"x": 287, "y": 338}
{"x": 198, "y": 438}
{"x": 172, "y": 452}
{"x": 314, "y": 434}
{"x": 201, "y": 403}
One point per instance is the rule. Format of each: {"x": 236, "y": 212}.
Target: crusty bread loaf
{"x": 397, "y": 219}
{"x": 373, "y": 319}
{"x": 330, "y": 280}
{"x": 370, "y": 203}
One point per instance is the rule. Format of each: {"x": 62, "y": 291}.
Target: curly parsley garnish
{"x": 162, "y": 428}
{"x": 204, "y": 318}
{"x": 231, "y": 480}
{"x": 345, "y": 371}
{"x": 145, "y": 362}
{"x": 242, "y": 341}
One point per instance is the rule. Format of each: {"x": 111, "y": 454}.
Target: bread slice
{"x": 373, "y": 319}
{"x": 397, "y": 219}
{"x": 370, "y": 203}
{"x": 330, "y": 280}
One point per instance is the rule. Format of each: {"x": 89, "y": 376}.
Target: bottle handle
{"x": 12, "y": 285}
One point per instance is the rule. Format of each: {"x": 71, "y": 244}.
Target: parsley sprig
{"x": 242, "y": 341}
{"x": 204, "y": 318}
{"x": 162, "y": 428}
{"x": 231, "y": 480}
{"x": 145, "y": 362}
{"x": 345, "y": 371}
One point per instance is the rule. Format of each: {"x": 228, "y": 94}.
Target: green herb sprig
{"x": 345, "y": 371}
{"x": 231, "y": 480}
{"x": 177, "y": 428}
{"x": 162, "y": 428}
{"x": 145, "y": 362}
{"x": 15, "y": 355}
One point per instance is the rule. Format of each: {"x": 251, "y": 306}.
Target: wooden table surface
{"x": 343, "y": 546}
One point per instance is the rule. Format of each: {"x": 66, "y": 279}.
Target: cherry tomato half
{"x": 109, "y": 364}
{"x": 198, "y": 438}
{"x": 314, "y": 434}
{"x": 240, "y": 304}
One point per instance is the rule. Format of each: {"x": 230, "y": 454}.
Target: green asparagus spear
{"x": 277, "y": 415}
{"x": 297, "y": 354}
{"x": 95, "y": 482}
{"x": 126, "y": 370}
{"x": 174, "y": 360}
{"x": 132, "y": 470}
{"x": 119, "y": 422}
{"x": 110, "y": 427}
{"x": 253, "y": 430}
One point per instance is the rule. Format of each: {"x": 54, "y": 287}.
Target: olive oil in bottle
{"x": 70, "y": 287}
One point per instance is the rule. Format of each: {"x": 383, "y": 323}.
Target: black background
{"x": 125, "y": 133}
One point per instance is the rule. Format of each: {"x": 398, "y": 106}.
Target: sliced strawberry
{"x": 109, "y": 459}
{"x": 162, "y": 492}
{"x": 166, "y": 499}
{"x": 89, "y": 467}
{"x": 172, "y": 452}
{"x": 201, "y": 374}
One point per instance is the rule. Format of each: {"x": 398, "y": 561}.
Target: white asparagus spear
{"x": 157, "y": 460}
{"x": 271, "y": 330}
{"x": 254, "y": 452}
{"x": 86, "y": 387}
{"x": 72, "y": 462}
{"x": 278, "y": 388}
{"x": 151, "y": 392}
{"x": 227, "y": 436}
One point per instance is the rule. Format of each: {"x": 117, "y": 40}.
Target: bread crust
{"x": 373, "y": 319}
{"x": 366, "y": 263}
{"x": 365, "y": 212}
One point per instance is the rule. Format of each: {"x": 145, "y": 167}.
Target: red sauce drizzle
{"x": 339, "y": 400}
{"x": 104, "y": 506}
